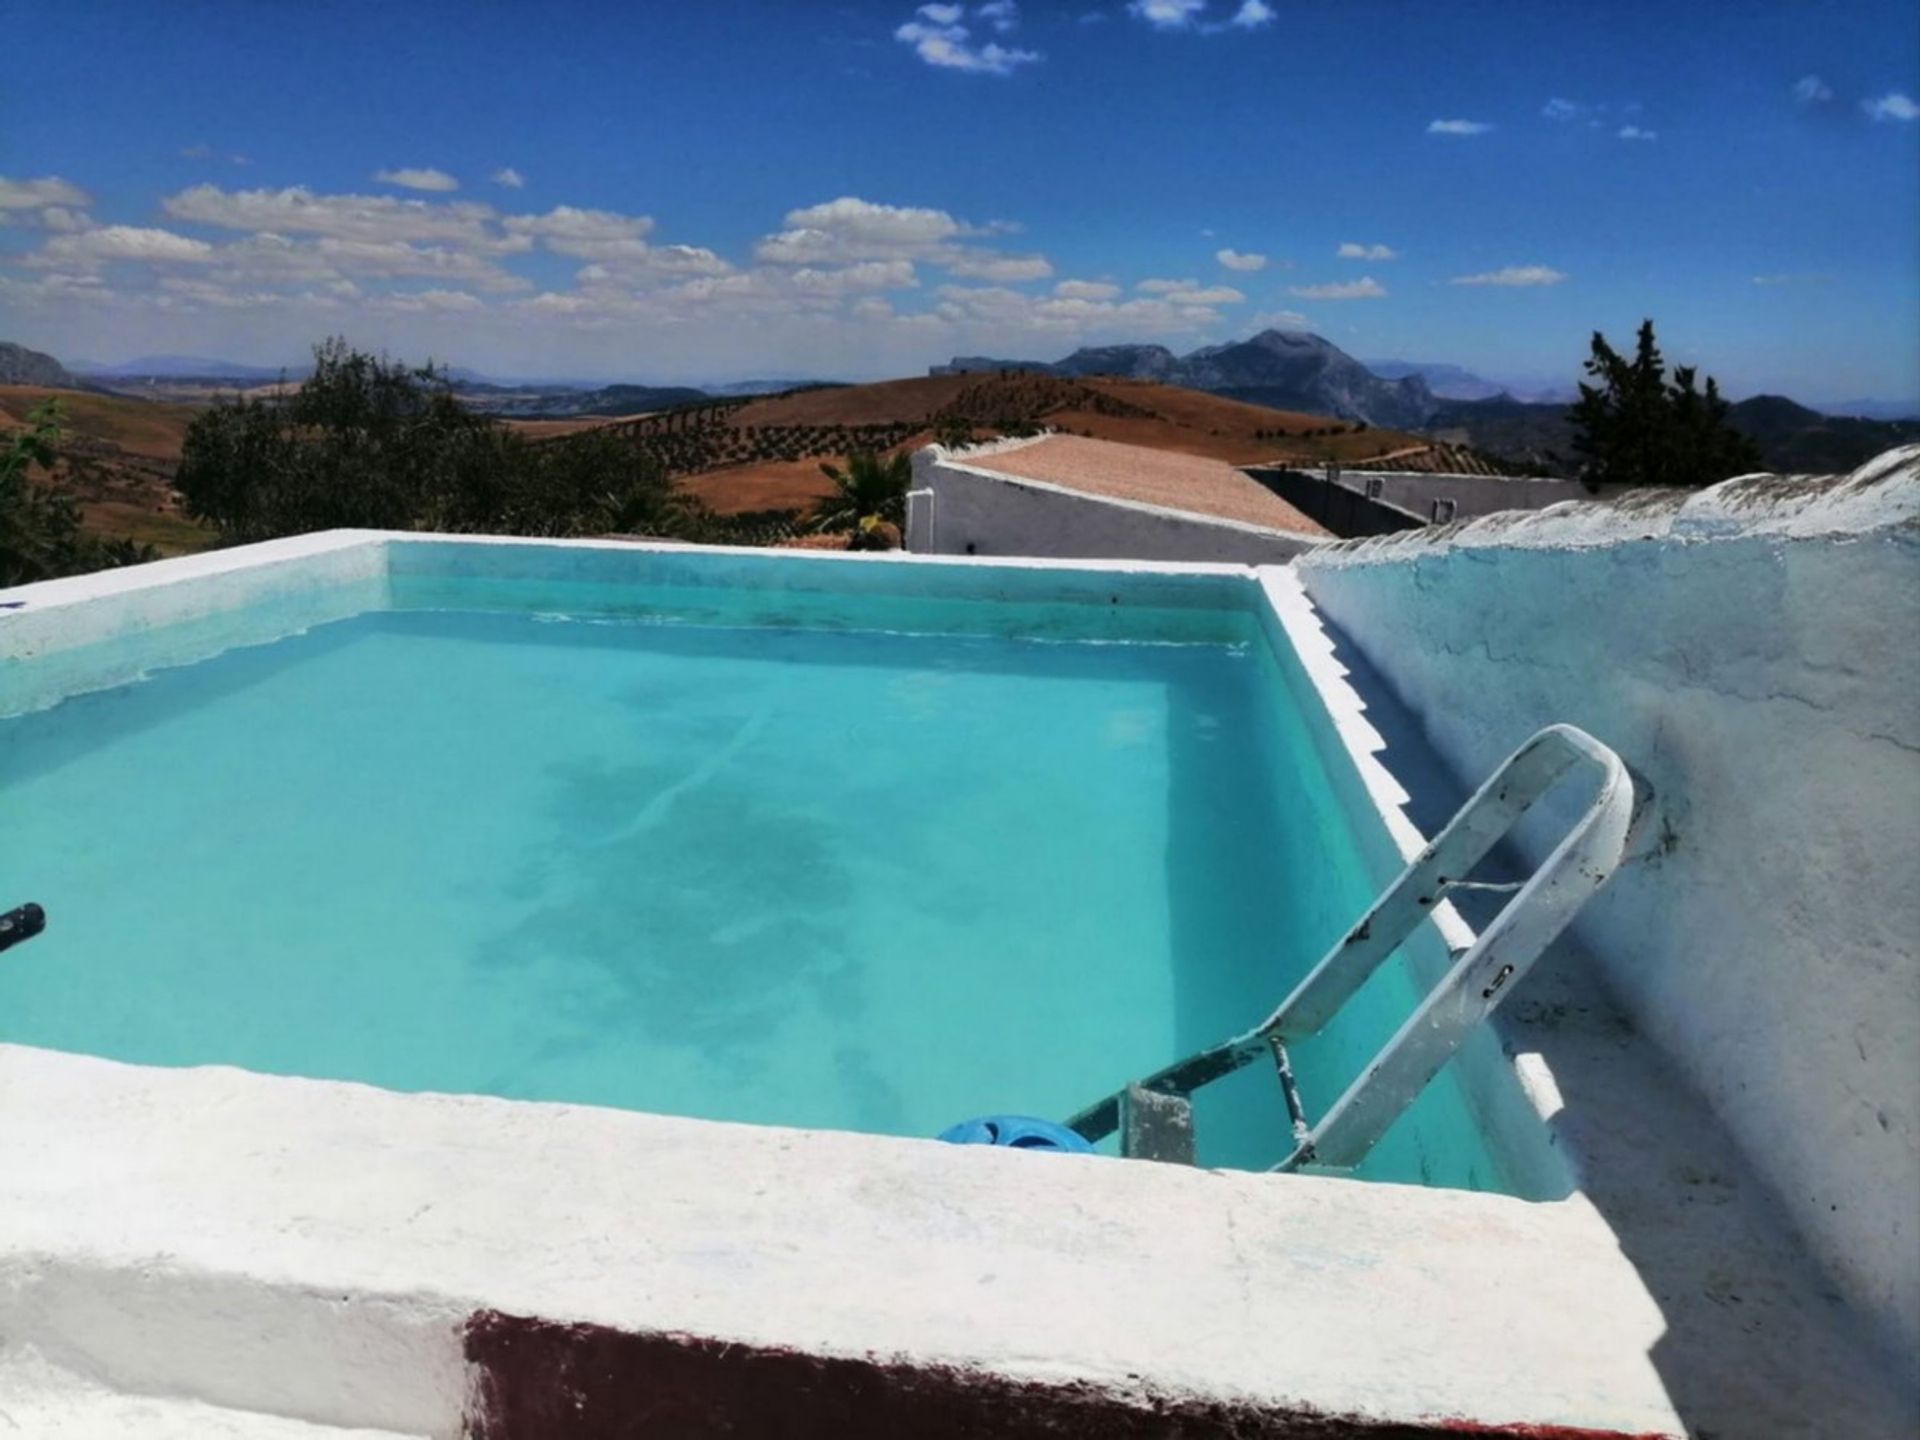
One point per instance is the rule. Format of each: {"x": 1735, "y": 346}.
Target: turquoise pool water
{"x": 842, "y": 877}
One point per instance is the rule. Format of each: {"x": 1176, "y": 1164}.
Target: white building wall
{"x": 965, "y": 508}
{"x": 1752, "y": 653}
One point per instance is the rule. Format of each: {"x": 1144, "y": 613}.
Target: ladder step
{"x": 1156, "y": 1126}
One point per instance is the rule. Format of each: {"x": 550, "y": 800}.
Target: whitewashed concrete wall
{"x": 89, "y": 632}
{"x": 1473, "y": 495}
{"x": 962, "y": 507}
{"x": 1752, "y": 651}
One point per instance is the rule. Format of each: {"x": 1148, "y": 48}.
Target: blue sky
{"x": 676, "y": 191}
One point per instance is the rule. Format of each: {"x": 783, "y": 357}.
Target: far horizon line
{"x": 1508, "y": 385}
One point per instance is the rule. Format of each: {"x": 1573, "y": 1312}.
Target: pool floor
{"x": 859, "y": 880}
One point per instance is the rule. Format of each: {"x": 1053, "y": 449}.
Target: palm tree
{"x": 870, "y": 492}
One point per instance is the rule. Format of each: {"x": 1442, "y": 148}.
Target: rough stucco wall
{"x": 979, "y": 514}
{"x": 1751, "y": 652}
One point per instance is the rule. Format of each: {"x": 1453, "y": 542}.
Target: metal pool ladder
{"x": 1154, "y": 1115}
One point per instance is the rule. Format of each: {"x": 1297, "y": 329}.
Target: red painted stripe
{"x": 539, "y": 1379}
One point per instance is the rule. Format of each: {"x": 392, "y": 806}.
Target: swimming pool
{"x": 776, "y": 839}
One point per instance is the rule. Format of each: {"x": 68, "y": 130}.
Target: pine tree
{"x": 1635, "y": 427}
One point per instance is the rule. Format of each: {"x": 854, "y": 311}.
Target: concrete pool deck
{"x": 221, "y": 1252}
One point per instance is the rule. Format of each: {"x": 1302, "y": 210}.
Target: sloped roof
{"x": 1164, "y": 478}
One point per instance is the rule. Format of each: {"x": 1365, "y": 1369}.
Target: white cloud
{"x": 58, "y": 217}
{"x": 176, "y": 292}
{"x": 940, "y": 38}
{"x": 1352, "y": 250}
{"x": 1280, "y": 320}
{"x": 1167, "y": 14}
{"x": 987, "y": 265}
{"x": 1245, "y": 261}
{"x": 616, "y": 244}
{"x": 297, "y": 210}
{"x": 1634, "y": 132}
{"x": 867, "y": 221}
{"x": 1515, "y": 275}
{"x": 586, "y": 234}
{"x": 867, "y": 275}
{"x": 49, "y": 190}
{"x": 1560, "y": 109}
{"x": 387, "y": 259}
{"x": 440, "y": 302}
{"x": 801, "y": 247}
{"x": 996, "y": 310}
{"x": 1365, "y": 288}
{"x": 685, "y": 260}
{"x": 1190, "y": 15}
{"x": 1891, "y": 106}
{"x": 509, "y": 177}
{"x": 276, "y": 259}
{"x": 1812, "y": 90}
{"x": 108, "y": 243}
{"x": 1458, "y": 127}
{"x": 850, "y": 228}
{"x": 1191, "y": 292}
{"x": 422, "y": 178}
{"x": 843, "y": 293}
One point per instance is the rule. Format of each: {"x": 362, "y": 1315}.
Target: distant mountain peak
{"x": 1284, "y": 369}
{"x": 1274, "y": 338}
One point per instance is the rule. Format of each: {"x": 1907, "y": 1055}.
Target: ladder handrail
{"x": 1474, "y": 985}
{"x": 1505, "y": 951}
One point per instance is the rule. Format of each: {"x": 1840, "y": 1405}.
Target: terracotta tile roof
{"x": 1149, "y": 477}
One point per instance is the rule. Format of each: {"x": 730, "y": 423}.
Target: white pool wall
{"x": 1751, "y": 648}
{"x": 92, "y": 632}
{"x": 305, "y": 1249}
{"x": 1348, "y": 747}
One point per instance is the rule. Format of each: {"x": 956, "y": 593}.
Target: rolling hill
{"x": 764, "y": 453}
{"x": 119, "y": 455}
{"x": 1293, "y": 370}
{"x": 21, "y": 366}
{"x": 746, "y": 454}
{"x": 1793, "y": 439}
{"x": 742, "y": 454}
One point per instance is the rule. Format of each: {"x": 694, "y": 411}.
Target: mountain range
{"x": 1283, "y": 369}
{"x": 1455, "y": 382}
{"x": 197, "y": 367}
{"x": 1793, "y": 439}
{"x": 1294, "y": 370}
